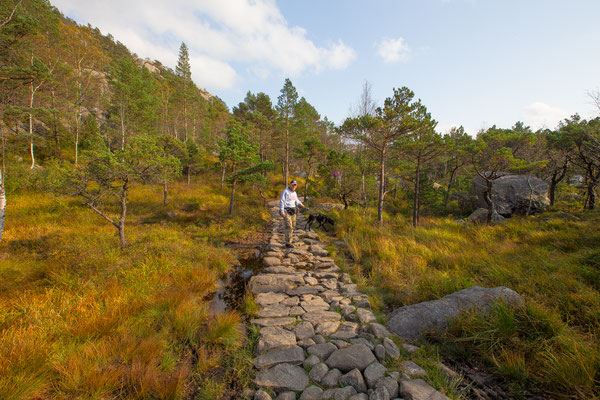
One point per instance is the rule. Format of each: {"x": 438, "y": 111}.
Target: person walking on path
{"x": 288, "y": 207}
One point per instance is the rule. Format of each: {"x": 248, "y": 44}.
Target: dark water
{"x": 232, "y": 287}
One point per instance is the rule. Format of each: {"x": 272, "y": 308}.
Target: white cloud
{"x": 539, "y": 115}
{"x": 393, "y": 50}
{"x": 219, "y": 34}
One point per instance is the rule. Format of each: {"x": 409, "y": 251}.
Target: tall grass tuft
{"x": 224, "y": 329}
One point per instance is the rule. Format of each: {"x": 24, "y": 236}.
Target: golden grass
{"x": 81, "y": 318}
{"x": 554, "y": 263}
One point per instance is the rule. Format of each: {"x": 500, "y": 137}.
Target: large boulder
{"x": 411, "y": 321}
{"x": 513, "y": 194}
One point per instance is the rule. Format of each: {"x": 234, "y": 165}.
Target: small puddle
{"x": 232, "y": 288}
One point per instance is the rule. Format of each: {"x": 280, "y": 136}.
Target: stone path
{"x": 318, "y": 337}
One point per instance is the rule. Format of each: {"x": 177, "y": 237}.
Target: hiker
{"x": 288, "y": 204}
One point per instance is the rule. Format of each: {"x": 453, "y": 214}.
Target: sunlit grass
{"x": 552, "y": 262}
{"x": 82, "y": 318}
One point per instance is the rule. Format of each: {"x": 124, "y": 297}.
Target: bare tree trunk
{"x": 123, "y": 214}
{"x": 189, "y": 173}
{"x": 306, "y": 184}
{"x": 2, "y": 191}
{"x": 2, "y": 204}
{"x": 363, "y": 190}
{"x": 381, "y": 187}
{"x": 591, "y": 193}
{"x": 232, "y": 195}
{"x": 552, "y": 189}
{"x": 185, "y": 127}
{"x": 55, "y": 123}
{"x": 31, "y": 94}
{"x": 122, "y": 128}
{"x": 76, "y": 136}
{"x": 194, "y": 129}
{"x": 417, "y": 193}
{"x": 555, "y": 180}
{"x": 262, "y": 195}
{"x": 487, "y": 196}
{"x": 287, "y": 153}
{"x": 7, "y": 19}
{"x": 223, "y": 174}
{"x": 450, "y": 181}
{"x": 164, "y": 192}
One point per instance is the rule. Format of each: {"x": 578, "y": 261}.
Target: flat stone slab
{"x": 281, "y": 269}
{"x": 318, "y": 250}
{"x": 418, "y": 389}
{"x": 413, "y": 369}
{"x": 274, "y": 311}
{"x": 321, "y": 316}
{"x": 275, "y": 282}
{"x": 299, "y": 291}
{"x": 291, "y": 355}
{"x": 347, "y": 330}
{"x": 271, "y": 261}
{"x": 435, "y": 315}
{"x": 283, "y": 377}
{"x": 272, "y": 337}
{"x": 356, "y": 356}
{"x": 274, "y": 321}
{"x": 264, "y": 299}
{"x": 326, "y": 327}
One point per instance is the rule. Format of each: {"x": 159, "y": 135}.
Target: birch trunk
{"x": 2, "y": 204}
{"x": 381, "y": 187}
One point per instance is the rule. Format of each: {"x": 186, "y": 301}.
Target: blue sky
{"x": 474, "y": 63}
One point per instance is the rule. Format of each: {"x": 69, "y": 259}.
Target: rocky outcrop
{"x": 513, "y": 194}
{"x": 318, "y": 337}
{"x": 435, "y": 315}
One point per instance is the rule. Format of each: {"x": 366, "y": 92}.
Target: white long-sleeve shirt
{"x": 289, "y": 199}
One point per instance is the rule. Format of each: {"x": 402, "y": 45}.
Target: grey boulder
{"x": 411, "y": 321}
{"x": 513, "y": 194}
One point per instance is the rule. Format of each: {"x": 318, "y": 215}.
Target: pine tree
{"x": 286, "y": 104}
{"x": 183, "y": 70}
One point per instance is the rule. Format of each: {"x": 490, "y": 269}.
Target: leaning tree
{"x": 107, "y": 176}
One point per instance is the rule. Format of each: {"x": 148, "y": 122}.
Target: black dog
{"x": 320, "y": 219}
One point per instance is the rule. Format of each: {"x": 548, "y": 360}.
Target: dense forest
{"x": 83, "y": 117}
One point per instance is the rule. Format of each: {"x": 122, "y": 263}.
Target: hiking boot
{"x": 289, "y": 246}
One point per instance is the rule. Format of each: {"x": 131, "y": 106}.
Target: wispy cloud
{"x": 223, "y": 36}
{"x": 539, "y": 115}
{"x": 393, "y": 50}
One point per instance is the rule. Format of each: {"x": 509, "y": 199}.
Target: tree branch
{"x": 7, "y": 20}
{"x": 103, "y": 215}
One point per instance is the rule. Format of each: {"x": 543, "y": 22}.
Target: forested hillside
{"x": 122, "y": 180}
